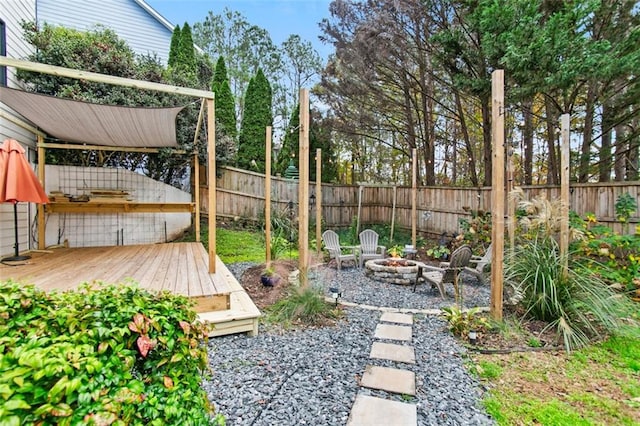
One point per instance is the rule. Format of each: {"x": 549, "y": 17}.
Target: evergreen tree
{"x": 175, "y": 46}
{"x": 320, "y": 137}
{"x": 225, "y": 104}
{"x": 187, "y": 52}
{"x": 256, "y": 117}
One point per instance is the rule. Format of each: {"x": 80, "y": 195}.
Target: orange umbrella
{"x": 18, "y": 183}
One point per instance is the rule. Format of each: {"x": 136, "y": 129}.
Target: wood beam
{"x": 42, "y": 234}
{"x": 211, "y": 181}
{"x": 196, "y": 172}
{"x": 497, "y": 192}
{"x": 318, "y": 201}
{"x": 267, "y": 195}
{"x": 104, "y": 78}
{"x": 303, "y": 189}
{"x": 565, "y": 121}
{"x": 414, "y": 194}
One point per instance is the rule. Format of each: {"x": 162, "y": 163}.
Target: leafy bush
{"x": 579, "y": 305}
{"x": 113, "y": 354}
{"x": 477, "y": 230}
{"x": 462, "y": 322}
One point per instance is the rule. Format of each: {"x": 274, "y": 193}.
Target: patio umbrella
{"x": 18, "y": 183}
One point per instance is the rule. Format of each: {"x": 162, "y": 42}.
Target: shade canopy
{"x": 18, "y": 182}
{"x": 83, "y": 122}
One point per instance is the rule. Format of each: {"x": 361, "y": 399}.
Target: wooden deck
{"x": 181, "y": 268}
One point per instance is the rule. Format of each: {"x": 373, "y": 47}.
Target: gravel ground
{"x": 310, "y": 377}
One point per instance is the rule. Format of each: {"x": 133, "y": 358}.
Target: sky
{"x": 280, "y": 18}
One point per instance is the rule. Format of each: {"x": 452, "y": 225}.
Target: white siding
{"x": 142, "y": 32}
{"x": 12, "y": 12}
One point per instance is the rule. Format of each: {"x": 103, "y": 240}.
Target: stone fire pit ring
{"x": 392, "y": 270}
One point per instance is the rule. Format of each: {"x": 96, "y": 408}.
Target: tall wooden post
{"x": 211, "y": 181}
{"x": 497, "y": 192}
{"x": 318, "y": 201}
{"x": 196, "y": 172}
{"x": 303, "y": 189}
{"x": 42, "y": 234}
{"x": 564, "y": 192}
{"x": 414, "y": 194}
{"x": 267, "y": 195}
{"x": 511, "y": 202}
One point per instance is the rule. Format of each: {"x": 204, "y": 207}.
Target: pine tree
{"x": 257, "y": 116}
{"x": 225, "y": 104}
{"x": 187, "y": 52}
{"x": 290, "y": 145}
{"x": 175, "y": 46}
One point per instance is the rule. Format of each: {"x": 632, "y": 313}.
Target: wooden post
{"x": 497, "y": 192}
{"x": 414, "y": 194}
{"x": 196, "y": 172}
{"x": 393, "y": 212}
{"x": 360, "y": 190}
{"x": 564, "y": 193}
{"x": 267, "y": 195}
{"x": 511, "y": 202}
{"x": 42, "y": 234}
{"x": 318, "y": 201}
{"x": 303, "y": 189}
{"x": 211, "y": 181}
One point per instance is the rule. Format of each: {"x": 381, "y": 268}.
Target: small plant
{"x": 438, "y": 252}
{"x": 305, "y": 305}
{"x": 462, "y": 322}
{"x": 534, "y": 342}
{"x": 625, "y": 206}
{"x": 269, "y": 277}
{"x": 488, "y": 370}
{"x": 395, "y": 251}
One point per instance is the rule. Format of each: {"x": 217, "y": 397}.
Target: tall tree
{"x": 174, "y": 48}
{"x": 257, "y": 116}
{"x": 186, "y": 49}
{"x": 225, "y": 104}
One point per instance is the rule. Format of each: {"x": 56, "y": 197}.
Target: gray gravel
{"x": 310, "y": 377}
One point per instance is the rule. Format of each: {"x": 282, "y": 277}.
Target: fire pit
{"x": 392, "y": 270}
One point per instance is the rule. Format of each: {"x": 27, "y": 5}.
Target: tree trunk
{"x": 621, "y": 153}
{"x": 552, "y": 167}
{"x": 486, "y": 136}
{"x": 473, "y": 176}
{"x": 587, "y": 136}
{"x": 605, "y": 163}
{"x": 527, "y": 140}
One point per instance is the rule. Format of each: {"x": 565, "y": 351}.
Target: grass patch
{"x": 598, "y": 384}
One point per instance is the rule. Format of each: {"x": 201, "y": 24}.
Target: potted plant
{"x": 269, "y": 278}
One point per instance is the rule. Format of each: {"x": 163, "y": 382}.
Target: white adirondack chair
{"x": 336, "y": 251}
{"x": 369, "y": 248}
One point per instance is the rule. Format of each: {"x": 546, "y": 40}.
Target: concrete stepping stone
{"x": 393, "y": 332}
{"x": 389, "y": 379}
{"x": 393, "y": 352}
{"x": 397, "y": 317}
{"x": 369, "y": 410}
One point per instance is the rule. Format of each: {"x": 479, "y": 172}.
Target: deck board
{"x": 182, "y": 268}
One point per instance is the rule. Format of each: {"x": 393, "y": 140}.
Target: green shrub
{"x": 579, "y": 304}
{"x": 104, "y": 354}
{"x": 306, "y": 305}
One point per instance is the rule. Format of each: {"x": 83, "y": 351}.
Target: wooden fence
{"x": 241, "y": 194}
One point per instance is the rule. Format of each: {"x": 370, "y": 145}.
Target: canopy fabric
{"x": 18, "y": 182}
{"x": 83, "y": 122}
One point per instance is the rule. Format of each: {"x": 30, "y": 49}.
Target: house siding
{"x": 12, "y": 12}
{"x": 142, "y": 32}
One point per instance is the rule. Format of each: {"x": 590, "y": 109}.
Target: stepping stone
{"x": 389, "y": 379}
{"x": 393, "y": 332}
{"x": 393, "y": 352}
{"x": 369, "y": 410}
{"x": 397, "y": 317}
